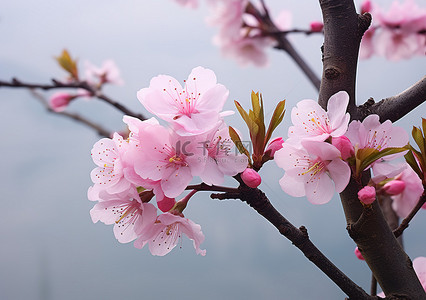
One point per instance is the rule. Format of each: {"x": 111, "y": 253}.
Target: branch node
{"x": 332, "y": 73}
{"x": 304, "y": 231}
{"x": 364, "y": 21}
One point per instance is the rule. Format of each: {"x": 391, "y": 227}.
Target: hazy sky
{"x": 51, "y": 249}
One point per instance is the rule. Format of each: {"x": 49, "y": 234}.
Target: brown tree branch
{"x": 394, "y": 108}
{"x": 299, "y": 237}
{"x": 15, "y": 83}
{"x": 343, "y": 29}
{"x": 212, "y": 188}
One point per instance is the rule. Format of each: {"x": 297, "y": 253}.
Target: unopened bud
{"x": 367, "y": 195}
{"x": 316, "y": 26}
{"x": 394, "y": 187}
{"x": 166, "y": 204}
{"x": 251, "y": 178}
{"x": 274, "y": 146}
{"x": 59, "y": 101}
{"x": 344, "y": 145}
{"x": 358, "y": 254}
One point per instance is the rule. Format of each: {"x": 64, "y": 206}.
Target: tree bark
{"x": 343, "y": 30}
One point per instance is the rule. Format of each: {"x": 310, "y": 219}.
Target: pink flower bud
{"x": 316, "y": 26}
{"x": 367, "y": 194}
{"x": 251, "y": 178}
{"x": 59, "y": 101}
{"x": 166, "y": 204}
{"x": 394, "y": 187}
{"x": 344, "y": 145}
{"x": 274, "y": 146}
{"x": 365, "y": 6}
{"x": 358, "y": 254}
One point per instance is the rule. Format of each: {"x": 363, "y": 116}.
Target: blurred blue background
{"x": 50, "y": 249}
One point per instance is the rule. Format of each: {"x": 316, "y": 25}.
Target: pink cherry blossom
{"x": 59, "y": 101}
{"x": 164, "y": 234}
{"x": 370, "y": 133}
{"x": 220, "y": 159}
{"x": 251, "y": 178}
{"x": 166, "y": 157}
{"x": 404, "y": 202}
{"x": 108, "y": 155}
{"x": 193, "y": 109}
{"x": 314, "y": 171}
{"x": 312, "y": 122}
{"x": 128, "y": 215}
{"x": 367, "y": 194}
{"x": 107, "y": 73}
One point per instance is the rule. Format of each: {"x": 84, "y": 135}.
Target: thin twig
{"x": 406, "y": 222}
{"x": 268, "y": 26}
{"x": 76, "y": 117}
{"x": 212, "y": 188}
{"x": 15, "y": 83}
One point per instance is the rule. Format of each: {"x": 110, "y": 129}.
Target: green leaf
{"x": 367, "y": 156}
{"x": 255, "y": 103}
{"x": 237, "y": 141}
{"x": 411, "y": 160}
{"x": 418, "y": 138}
{"x": 68, "y": 64}
{"x": 249, "y": 119}
{"x": 276, "y": 119}
{"x": 424, "y": 126}
{"x": 242, "y": 112}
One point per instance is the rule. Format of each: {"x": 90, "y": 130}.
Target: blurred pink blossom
{"x": 60, "y": 100}
{"x": 107, "y": 73}
{"x": 404, "y": 202}
{"x": 188, "y": 3}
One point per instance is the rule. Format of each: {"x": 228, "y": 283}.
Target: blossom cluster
{"x": 160, "y": 161}
{"x": 397, "y": 33}
{"x": 323, "y": 151}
